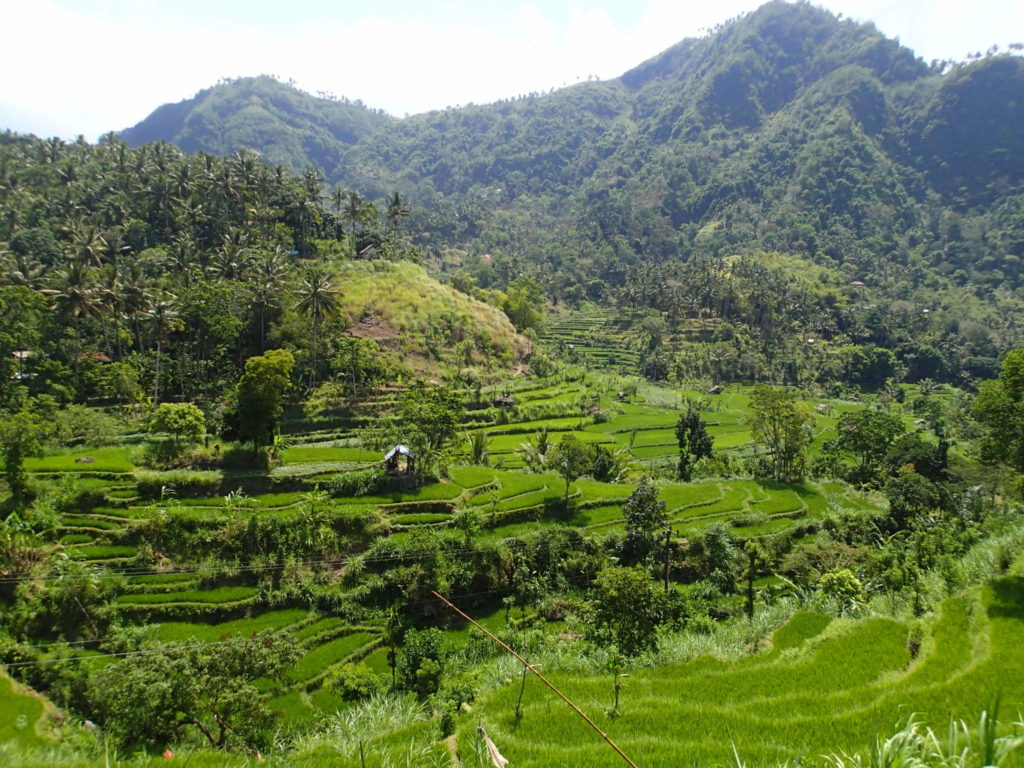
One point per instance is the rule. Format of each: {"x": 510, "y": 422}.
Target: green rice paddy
{"x": 826, "y": 685}
{"x": 708, "y": 698}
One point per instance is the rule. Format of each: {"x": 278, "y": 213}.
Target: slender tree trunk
{"x": 156, "y": 379}
{"x": 78, "y": 347}
{"x": 316, "y": 323}
{"x": 138, "y": 334}
{"x": 751, "y": 573}
{"x": 105, "y": 324}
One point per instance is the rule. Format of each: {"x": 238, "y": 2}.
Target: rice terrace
{"x": 672, "y": 419}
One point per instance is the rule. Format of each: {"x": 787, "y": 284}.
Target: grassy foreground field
{"x": 825, "y": 686}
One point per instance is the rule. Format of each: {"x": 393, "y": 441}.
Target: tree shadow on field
{"x": 559, "y": 510}
{"x": 1008, "y": 598}
{"x": 801, "y": 489}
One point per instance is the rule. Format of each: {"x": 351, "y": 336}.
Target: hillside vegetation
{"x": 286, "y": 126}
{"x": 786, "y": 133}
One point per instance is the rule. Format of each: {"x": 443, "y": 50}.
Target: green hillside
{"x": 786, "y": 132}
{"x": 286, "y": 126}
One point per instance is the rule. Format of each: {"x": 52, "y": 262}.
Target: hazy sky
{"x": 88, "y": 66}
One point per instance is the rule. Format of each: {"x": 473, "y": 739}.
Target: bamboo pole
{"x": 543, "y": 679}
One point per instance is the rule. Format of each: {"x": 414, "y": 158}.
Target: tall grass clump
{"x": 917, "y": 746}
{"x": 180, "y": 483}
{"x": 365, "y": 721}
{"x": 364, "y": 482}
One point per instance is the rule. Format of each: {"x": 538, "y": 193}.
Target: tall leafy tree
{"x": 429, "y": 418}
{"x": 999, "y": 406}
{"x": 694, "y": 441}
{"x": 21, "y": 435}
{"x": 782, "y": 425}
{"x": 571, "y": 458}
{"x": 868, "y": 436}
{"x": 260, "y": 396}
{"x": 645, "y": 518}
{"x": 628, "y": 610}
{"x": 159, "y": 693}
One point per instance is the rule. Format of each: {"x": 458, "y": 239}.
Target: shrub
{"x": 628, "y": 610}
{"x": 355, "y": 681}
{"x": 421, "y": 662}
{"x": 174, "y": 427}
{"x": 78, "y": 424}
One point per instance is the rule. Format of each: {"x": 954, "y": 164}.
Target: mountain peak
{"x": 286, "y": 125}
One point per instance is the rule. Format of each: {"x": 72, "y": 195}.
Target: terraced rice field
{"x": 594, "y": 336}
{"x": 825, "y": 685}
{"x": 508, "y": 503}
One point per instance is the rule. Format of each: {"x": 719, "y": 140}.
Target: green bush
{"x": 355, "y": 681}
{"x": 78, "y": 423}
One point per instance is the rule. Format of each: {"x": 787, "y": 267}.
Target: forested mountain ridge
{"x": 790, "y": 59}
{"x": 787, "y": 131}
{"x": 286, "y": 125}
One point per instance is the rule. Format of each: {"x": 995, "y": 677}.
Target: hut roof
{"x": 402, "y": 449}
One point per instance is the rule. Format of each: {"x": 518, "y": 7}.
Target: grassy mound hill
{"x": 404, "y": 309}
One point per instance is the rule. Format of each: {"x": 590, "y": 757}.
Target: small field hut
{"x": 392, "y": 457}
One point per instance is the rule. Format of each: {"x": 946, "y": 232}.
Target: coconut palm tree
{"x": 75, "y": 297}
{"x": 479, "y": 445}
{"x": 163, "y": 316}
{"x": 136, "y": 299}
{"x": 317, "y": 299}
{"x": 89, "y": 246}
{"x": 356, "y": 211}
{"x": 536, "y": 453}
{"x": 19, "y": 269}
{"x": 266, "y": 283}
{"x": 395, "y": 211}
{"x": 229, "y": 260}
{"x": 111, "y": 298}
